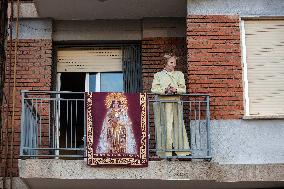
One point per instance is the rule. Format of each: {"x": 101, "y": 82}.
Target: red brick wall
{"x": 214, "y": 63}
{"x": 33, "y": 73}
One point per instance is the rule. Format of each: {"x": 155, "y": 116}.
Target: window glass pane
{"x": 111, "y": 82}
{"x": 92, "y": 82}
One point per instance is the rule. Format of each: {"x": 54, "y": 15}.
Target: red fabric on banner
{"x": 117, "y": 129}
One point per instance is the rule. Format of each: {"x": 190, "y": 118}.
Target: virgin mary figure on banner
{"x": 116, "y": 135}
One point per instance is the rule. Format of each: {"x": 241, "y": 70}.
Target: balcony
{"x": 53, "y": 125}
{"x": 53, "y": 150}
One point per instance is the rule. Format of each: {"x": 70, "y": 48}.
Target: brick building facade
{"x": 210, "y": 44}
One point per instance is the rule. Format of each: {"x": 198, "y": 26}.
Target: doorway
{"x": 91, "y": 69}
{"x": 72, "y": 112}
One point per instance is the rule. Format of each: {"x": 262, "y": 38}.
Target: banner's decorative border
{"x": 94, "y": 160}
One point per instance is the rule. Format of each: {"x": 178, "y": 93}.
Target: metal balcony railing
{"x": 53, "y": 125}
{"x": 179, "y": 126}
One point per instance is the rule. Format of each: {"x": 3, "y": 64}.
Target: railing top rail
{"x": 50, "y": 92}
{"x": 189, "y": 94}
{"x": 68, "y": 92}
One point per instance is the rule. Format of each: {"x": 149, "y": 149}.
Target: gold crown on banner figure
{"x": 111, "y": 97}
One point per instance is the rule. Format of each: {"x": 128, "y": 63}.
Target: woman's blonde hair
{"x": 167, "y": 56}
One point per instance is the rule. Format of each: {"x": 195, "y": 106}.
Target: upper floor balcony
{"x": 53, "y": 149}
{"x": 53, "y": 125}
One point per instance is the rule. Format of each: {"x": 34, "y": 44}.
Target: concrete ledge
{"x": 157, "y": 170}
{"x": 268, "y": 117}
{"x": 144, "y": 184}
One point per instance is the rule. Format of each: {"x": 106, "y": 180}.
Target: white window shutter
{"x": 264, "y": 41}
{"x": 89, "y": 60}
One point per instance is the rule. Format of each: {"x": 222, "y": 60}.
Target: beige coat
{"x": 163, "y": 79}
{"x": 170, "y": 129}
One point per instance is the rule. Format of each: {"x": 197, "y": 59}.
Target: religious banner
{"x": 117, "y": 129}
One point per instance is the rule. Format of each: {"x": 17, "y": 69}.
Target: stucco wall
{"x": 34, "y": 29}
{"x": 247, "y": 141}
{"x": 233, "y": 7}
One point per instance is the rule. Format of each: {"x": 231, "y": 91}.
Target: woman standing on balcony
{"x": 170, "y": 129}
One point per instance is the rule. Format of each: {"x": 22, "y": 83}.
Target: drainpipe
{"x": 3, "y": 39}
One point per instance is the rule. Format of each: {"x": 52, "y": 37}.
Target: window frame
{"x": 98, "y": 80}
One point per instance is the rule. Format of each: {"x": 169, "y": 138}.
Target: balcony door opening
{"x": 91, "y": 69}
{"x": 72, "y": 112}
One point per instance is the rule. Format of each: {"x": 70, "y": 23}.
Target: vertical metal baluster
{"x": 40, "y": 122}
{"x": 30, "y": 130}
{"x": 176, "y": 146}
{"x": 36, "y": 123}
{"x": 148, "y": 122}
{"x": 190, "y": 125}
{"x": 85, "y": 130}
{"x": 49, "y": 122}
{"x": 58, "y": 103}
{"x": 27, "y": 139}
{"x": 58, "y": 126}
{"x": 182, "y": 126}
{"x": 162, "y": 129}
{"x": 208, "y": 125}
{"x": 67, "y": 121}
{"x": 199, "y": 126}
{"x": 165, "y": 126}
{"x": 23, "y": 125}
{"x": 54, "y": 124}
{"x": 31, "y": 133}
{"x": 195, "y": 129}
{"x": 71, "y": 141}
{"x": 159, "y": 147}
{"x": 76, "y": 122}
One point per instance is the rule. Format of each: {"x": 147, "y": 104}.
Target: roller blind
{"x": 89, "y": 60}
{"x": 264, "y": 41}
